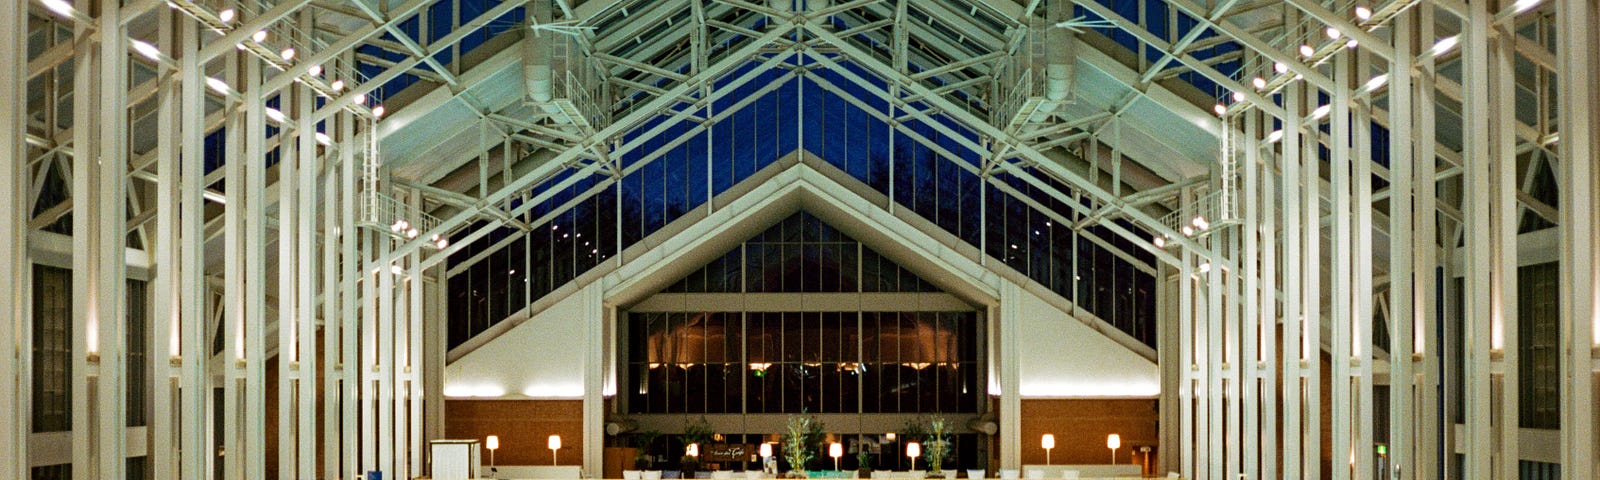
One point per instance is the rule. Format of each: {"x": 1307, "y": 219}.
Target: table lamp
{"x": 555, "y": 444}
{"x": 835, "y": 450}
{"x": 492, "y": 443}
{"x": 1048, "y": 442}
{"x": 913, "y": 450}
{"x": 692, "y": 450}
{"x": 1113, "y": 442}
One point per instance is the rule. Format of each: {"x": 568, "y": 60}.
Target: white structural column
{"x": 1479, "y": 255}
{"x": 14, "y": 246}
{"x": 1361, "y": 346}
{"x": 1267, "y": 298}
{"x": 164, "y": 325}
{"x": 304, "y": 362}
{"x": 99, "y": 114}
{"x": 196, "y": 429}
{"x": 1576, "y": 83}
{"x": 1503, "y": 237}
{"x": 1342, "y": 254}
{"x": 1189, "y": 448}
{"x": 233, "y": 281}
{"x": 1311, "y": 295}
{"x": 1402, "y": 416}
{"x": 289, "y": 275}
{"x": 253, "y": 369}
{"x": 1293, "y": 398}
{"x": 1246, "y": 361}
{"x": 1426, "y": 344}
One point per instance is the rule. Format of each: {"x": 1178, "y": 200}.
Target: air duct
{"x": 1060, "y": 54}
{"x": 537, "y": 74}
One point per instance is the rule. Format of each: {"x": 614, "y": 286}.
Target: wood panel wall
{"x": 524, "y": 427}
{"x": 1081, "y": 426}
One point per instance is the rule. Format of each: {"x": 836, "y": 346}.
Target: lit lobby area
{"x": 777, "y": 239}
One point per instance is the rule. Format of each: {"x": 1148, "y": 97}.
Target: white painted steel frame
{"x": 15, "y": 374}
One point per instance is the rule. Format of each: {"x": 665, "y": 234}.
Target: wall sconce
{"x": 555, "y": 444}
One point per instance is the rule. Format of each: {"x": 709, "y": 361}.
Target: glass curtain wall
{"x": 1021, "y": 231}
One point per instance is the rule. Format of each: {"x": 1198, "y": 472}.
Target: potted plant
{"x": 938, "y": 447}
{"x": 643, "y": 459}
{"x": 796, "y": 448}
{"x": 863, "y": 461}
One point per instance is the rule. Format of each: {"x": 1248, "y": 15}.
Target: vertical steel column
{"x": 1576, "y": 83}
{"x": 84, "y": 104}
{"x": 1187, "y": 396}
{"x": 1503, "y": 232}
{"x": 1402, "y": 298}
{"x": 305, "y": 320}
{"x": 1361, "y": 335}
{"x": 1249, "y": 330}
{"x": 383, "y": 345}
{"x": 14, "y": 324}
{"x": 1343, "y": 268}
{"x": 1311, "y": 315}
{"x": 1480, "y": 249}
{"x": 1293, "y": 308}
{"x": 197, "y": 404}
{"x": 1268, "y": 314}
{"x": 164, "y": 325}
{"x": 1428, "y": 345}
{"x": 333, "y": 304}
{"x": 1215, "y": 299}
{"x": 234, "y": 284}
{"x": 110, "y": 216}
{"x": 351, "y": 270}
{"x": 1229, "y": 392}
{"x": 253, "y": 368}
{"x": 289, "y": 275}
{"x": 416, "y": 362}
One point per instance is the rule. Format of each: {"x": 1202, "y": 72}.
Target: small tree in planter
{"x": 796, "y": 448}
{"x": 644, "y": 441}
{"x": 863, "y": 461}
{"x": 938, "y": 446}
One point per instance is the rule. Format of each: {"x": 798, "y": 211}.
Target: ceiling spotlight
{"x": 324, "y": 139}
{"x": 226, "y": 15}
{"x": 442, "y": 243}
{"x": 1524, "y": 5}
{"x": 1444, "y": 45}
{"x": 1307, "y": 51}
{"x": 1376, "y": 82}
{"x": 1258, "y": 82}
{"x": 1280, "y": 67}
{"x": 1275, "y": 136}
{"x": 1161, "y": 241}
{"x": 377, "y": 111}
{"x": 1220, "y": 108}
{"x": 1201, "y": 223}
{"x": 1351, "y": 44}
{"x": 434, "y": 238}
{"x": 411, "y": 233}
{"x": 360, "y": 99}
{"x": 337, "y": 85}
{"x": 259, "y": 36}
{"x": 1363, "y": 13}
{"x": 1321, "y": 111}
{"x": 275, "y": 114}
{"x": 1188, "y": 231}
{"x": 1204, "y": 267}
{"x": 59, "y": 6}
{"x": 149, "y": 51}
{"x": 315, "y": 70}
{"x": 1333, "y": 33}
{"x": 217, "y": 85}
{"x": 287, "y": 54}
{"x": 397, "y": 270}
{"x": 1238, "y": 97}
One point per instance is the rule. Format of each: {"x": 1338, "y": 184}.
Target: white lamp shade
{"x": 889, "y": 436}
{"x": 1048, "y": 442}
{"x": 692, "y": 450}
{"x": 493, "y": 442}
{"x": 766, "y": 450}
{"x": 836, "y": 450}
{"x": 913, "y": 450}
{"x": 1113, "y": 441}
{"x": 555, "y": 442}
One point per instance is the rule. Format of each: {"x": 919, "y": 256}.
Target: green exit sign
{"x": 1383, "y": 449}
